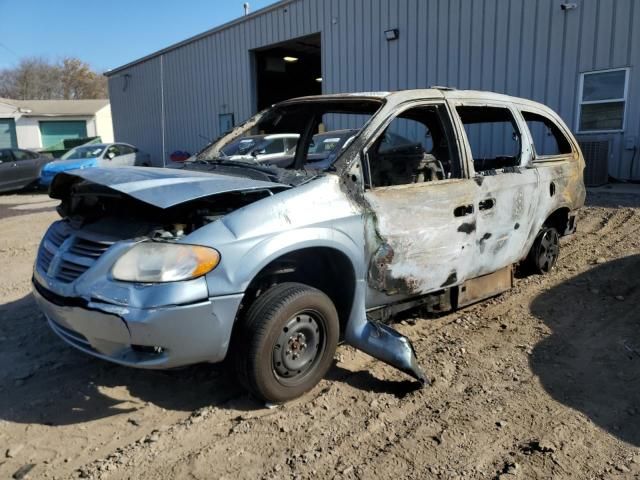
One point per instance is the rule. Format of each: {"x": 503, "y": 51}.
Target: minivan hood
{"x": 160, "y": 187}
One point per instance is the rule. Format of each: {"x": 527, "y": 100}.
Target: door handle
{"x": 487, "y": 204}
{"x": 463, "y": 210}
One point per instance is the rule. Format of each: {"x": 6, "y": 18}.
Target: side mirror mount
{"x": 111, "y": 155}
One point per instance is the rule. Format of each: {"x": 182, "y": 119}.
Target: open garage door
{"x": 287, "y": 70}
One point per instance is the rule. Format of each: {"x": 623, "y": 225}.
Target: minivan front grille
{"x": 69, "y": 271}
{"x": 76, "y": 252}
{"x": 51, "y": 243}
{"x": 89, "y": 248}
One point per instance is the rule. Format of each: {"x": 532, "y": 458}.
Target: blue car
{"x": 89, "y": 156}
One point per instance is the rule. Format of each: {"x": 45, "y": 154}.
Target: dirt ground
{"x": 541, "y": 382}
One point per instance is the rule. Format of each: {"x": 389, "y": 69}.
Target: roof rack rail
{"x": 441, "y": 87}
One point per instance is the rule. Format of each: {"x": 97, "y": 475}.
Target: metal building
{"x": 578, "y": 57}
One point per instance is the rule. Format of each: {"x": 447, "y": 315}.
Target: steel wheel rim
{"x": 548, "y": 251}
{"x": 299, "y": 347}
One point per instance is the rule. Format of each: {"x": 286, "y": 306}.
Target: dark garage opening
{"x": 287, "y": 70}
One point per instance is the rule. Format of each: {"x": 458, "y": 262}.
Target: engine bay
{"x": 102, "y": 210}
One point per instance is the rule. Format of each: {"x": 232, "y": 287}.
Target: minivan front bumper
{"x": 154, "y": 338}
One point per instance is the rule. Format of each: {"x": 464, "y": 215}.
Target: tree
{"x": 37, "y": 79}
{"x": 79, "y": 81}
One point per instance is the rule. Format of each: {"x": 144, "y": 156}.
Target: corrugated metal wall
{"x": 527, "y": 48}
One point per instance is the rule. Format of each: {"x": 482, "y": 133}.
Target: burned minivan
{"x": 433, "y": 200}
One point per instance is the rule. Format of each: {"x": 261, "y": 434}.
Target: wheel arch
{"x": 326, "y": 268}
{"x": 560, "y": 220}
{"x": 327, "y": 259}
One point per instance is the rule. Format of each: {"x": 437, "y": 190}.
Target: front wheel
{"x": 286, "y": 341}
{"x": 544, "y": 251}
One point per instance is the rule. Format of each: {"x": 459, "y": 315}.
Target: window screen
{"x": 602, "y": 104}
{"x": 547, "y": 137}
{"x": 493, "y": 136}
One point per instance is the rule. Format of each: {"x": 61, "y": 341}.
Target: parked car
{"x": 94, "y": 155}
{"x": 262, "y": 148}
{"x": 20, "y": 168}
{"x": 432, "y": 204}
{"x": 322, "y": 152}
{"x": 325, "y": 147}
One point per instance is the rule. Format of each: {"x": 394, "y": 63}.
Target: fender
{"x": 291, "y": 241}
{"x": 373, "y": 338}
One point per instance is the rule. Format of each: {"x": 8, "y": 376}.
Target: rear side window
{"x": 115, "y": 149}
{"x": 493, "y": 136}
{"x": 290, "y": 144}
{"x": 275, "y": 145}
{"x": 548, "y": 139}
{"x": 126, "y": 149}
{"x": 21, "y": 155}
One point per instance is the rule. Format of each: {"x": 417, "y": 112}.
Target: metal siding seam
{"x": 162, "y": 111}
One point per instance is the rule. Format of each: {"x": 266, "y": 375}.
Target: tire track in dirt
{"x": 612, "y": 228}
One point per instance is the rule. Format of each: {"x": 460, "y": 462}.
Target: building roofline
{"x": 206, "y": 33}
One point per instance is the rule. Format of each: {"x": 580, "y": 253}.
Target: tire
{"x": 286, "y": 342}
{"x": 544, "y": 251}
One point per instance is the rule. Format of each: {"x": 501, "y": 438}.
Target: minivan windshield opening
{"x": 320, "y": 129}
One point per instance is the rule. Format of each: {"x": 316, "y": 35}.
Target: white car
{"x": 262, "y": 147}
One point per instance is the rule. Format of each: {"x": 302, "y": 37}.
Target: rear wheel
{"x": 286, "y": 341}
{"x": 544, "y": 251}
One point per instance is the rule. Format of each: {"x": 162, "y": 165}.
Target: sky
{"x": 106, "y": 33}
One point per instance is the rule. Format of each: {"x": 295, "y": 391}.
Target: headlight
{"x": 150, "y": 262}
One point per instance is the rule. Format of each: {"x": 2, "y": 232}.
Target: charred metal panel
{"x": 486, "y": 286}
{"x": 507, "y": 209}
{"x": 419, "y": 244}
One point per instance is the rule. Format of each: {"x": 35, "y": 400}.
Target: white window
{"x": 602, "y": 100}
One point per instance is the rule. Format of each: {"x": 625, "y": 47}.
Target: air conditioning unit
{"x": 596, "y": 157}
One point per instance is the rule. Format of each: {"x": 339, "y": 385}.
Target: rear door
{"x": 8, "y": 173}
{"x": 127, "y": 157}
{"x": 420, "y": 234}
{"x": 507, "y": 193}
{"x": 27, "y": 166}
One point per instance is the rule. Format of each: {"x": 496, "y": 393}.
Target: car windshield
{"x": 88, "y": 151}
{"x": 300, "y": 124}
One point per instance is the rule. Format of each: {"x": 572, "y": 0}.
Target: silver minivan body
{"x": 439, "y": 244}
